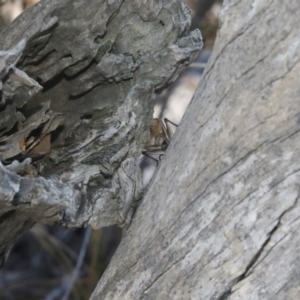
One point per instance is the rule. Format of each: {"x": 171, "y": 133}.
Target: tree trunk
{"x": 78, "y": 79}
{"x": 221, "y": 217}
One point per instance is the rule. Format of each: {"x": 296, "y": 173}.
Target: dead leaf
{"x": 43, "y": 147}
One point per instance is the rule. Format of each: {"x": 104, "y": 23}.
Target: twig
{"x": 77, "y": 268}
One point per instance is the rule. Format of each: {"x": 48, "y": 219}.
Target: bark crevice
{"x": 256, "y": 258}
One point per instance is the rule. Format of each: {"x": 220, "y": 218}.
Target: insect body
{"x": 160, "y": 137}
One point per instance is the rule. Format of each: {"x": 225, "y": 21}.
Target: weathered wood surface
{"x": 78, "y": 83}
{"x": 221, "y": 219}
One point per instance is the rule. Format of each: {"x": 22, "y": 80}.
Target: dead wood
{"x": 78, "y": 83}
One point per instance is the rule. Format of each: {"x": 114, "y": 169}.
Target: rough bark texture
{"x": 221, "y": 218}
{"x": 78, "y": 83}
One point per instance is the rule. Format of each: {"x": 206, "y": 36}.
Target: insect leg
{"x": 168, "y": 121}
{"x": 149, "y": 155}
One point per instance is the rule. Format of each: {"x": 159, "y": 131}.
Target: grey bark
{"x": 221, "y": 217}
{"x": 78, "y": 79}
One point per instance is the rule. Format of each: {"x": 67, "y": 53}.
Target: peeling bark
{"x": 78, "y": 83}
{"x": 221, "y": 217}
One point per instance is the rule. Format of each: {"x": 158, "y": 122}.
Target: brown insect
{"x": 160, "y": 137}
